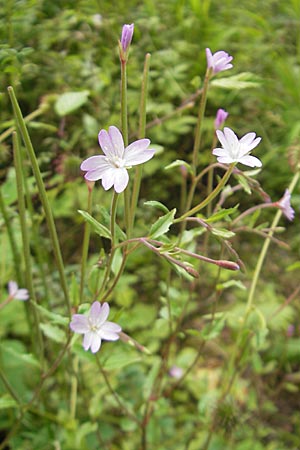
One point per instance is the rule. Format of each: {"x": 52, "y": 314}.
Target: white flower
{"x": 95, "y": 327}
{"x": 237, "y": 150}
{"x": 285, "y": 205}
{"x": 111, "y": 167}
{"x": 16, "y": 293}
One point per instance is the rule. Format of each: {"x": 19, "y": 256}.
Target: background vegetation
{"x": 52, "y": 48}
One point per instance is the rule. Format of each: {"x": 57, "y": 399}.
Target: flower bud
{"x": 221, "y": 116}
{"x": 127, "y": 33}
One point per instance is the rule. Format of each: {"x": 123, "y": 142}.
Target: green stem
{"x": 124, "y": 124}
{"x": 74, "y": 386}
{"x": 36, "y": 237}
{"x": 122, "y": 406}
{"x": 43, "y": 195}
{"x": 28, "y": 118}
{"x": 202, "y": 105}
{"x": 265, "y": 248}
{"x": 26, "y": 242}
{"x": 142, "y": 130}
{"x": 85, "y": 245}
{"x": 210, "y": 197}
{"x": 113, "y": 212}
{"x": 11, "y": 237}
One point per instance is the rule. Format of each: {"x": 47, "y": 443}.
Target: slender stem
{"x": 208, "y": 199}
{"x": 74, "y": 386}
{"x": 43, "y": 195}
{"x": 42, "y": 108}
{"x": 6, "y": 301}
{"x": 142, "y": 128}
{"x": 202, "y": 105}
{"x": 251, "y": 210}
{"x": 265, "y": 248}
{"x": 9, "y": 387}
{"x": 85, "y": 245}
{"x": 25, "y": 238}
{"x": 210, "y": 175}
{"x": 122, "y": 406}
{"x": 113, "y": 212}
{"x": 11, "y": 237}
{"x": 39, "y": 249}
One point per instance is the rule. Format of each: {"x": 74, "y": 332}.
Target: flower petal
{"x": 102, "y": 314}
{"x": 139, "y": 158}
{"x": 121, "y": 180}
{"x": 88, "y": 339}
{"x": 22, "y": 294}
{"x": 92, "y": 163}
{"x": 12, "y": 288}
{"x": 96, "y": 343}
{"x": 79, "y": 324}
{"x": 117, "y": 141}
{"x": 95, "y": 313}
{"x": 111, "y": 142}
{"x": 251, "y": 161}
{"x": 248, "y": 138}
{"x": 111, "y": 327}
{"x": 227, "y": 159}
{"x": 108, "y": 178}
{"x": 109, "y": 331}
{"x": 219, "y": 152}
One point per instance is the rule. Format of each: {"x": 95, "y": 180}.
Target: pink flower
{"x": 236, "y": 150}
{"x": 95, "y": 327}
{"x": 16, "y": 293}
{"x": 218, "y": 61}
{"x": 126, "y": 38}
{"x": 285, "y": 205}
{"x": 112, "y": 167}
{"x": 221, "y": 116}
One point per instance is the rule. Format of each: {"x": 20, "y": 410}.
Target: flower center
{"x": 119, "y": 163}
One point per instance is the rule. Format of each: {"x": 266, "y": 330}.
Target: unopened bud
{"x": 127, "y": 33}
{"x": 230, "y": 265}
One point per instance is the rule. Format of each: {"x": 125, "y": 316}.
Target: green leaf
{"x": 7, "y": 402}
{"x": 158, "y": 205}
{"x": 120, "y": 358}
{"x": 243, "y": 181}
{"x": 231, "y": 283}
{"x": 221, "y": 214}
{"x": 26, "y": 359}
{"x": 238, "y": 82}
{"x": 212, "y": 330}
{"x": 70, "y": 101}
{"x": 55, "y": 318}
{"x": 162, "y": 225}
{"x": 179, "y": 163}
{"x": 54, "y": 333}
{"x": 96, "y": 226}
{"x": 223, "y": 233}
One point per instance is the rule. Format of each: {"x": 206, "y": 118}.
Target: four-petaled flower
{"x": 127, "y": 33}
{"x": 218, "y": 61}
{"x": 236, "y": 150}
{"x": 221, "y": 116}
{"x": 111, "y": 167}
{"x": 16, "y": 293}
{"x": 95, "y": 327}
{"x": 285, "y": 205}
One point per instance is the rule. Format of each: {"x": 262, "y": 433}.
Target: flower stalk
{"x": 43, "y": 195}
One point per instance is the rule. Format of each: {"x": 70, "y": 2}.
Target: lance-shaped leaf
{"x": 162, "y": 225}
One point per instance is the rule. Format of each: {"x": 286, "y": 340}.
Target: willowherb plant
{"x": 192, "y": 219}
